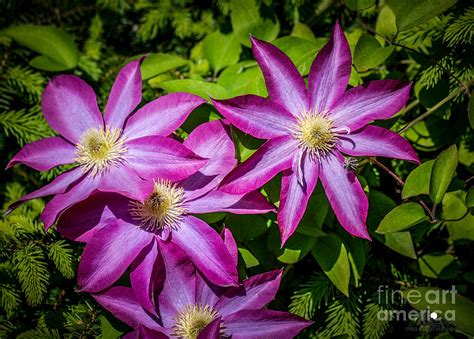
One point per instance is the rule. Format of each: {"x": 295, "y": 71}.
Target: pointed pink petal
{"x": 264, "y": 324}
{"x": 345, "y": 194}
{"x": 377, "y": 141}
{"x": 44, "y": 154}
{"x": 330, "y": 72}
{"x": 80, "y": 191}
{"x": 144, "y": 276}
{"x": 271, "y": 158}
{"x": 162, "y": 116}
{"x": 284, "y": 83}
{"x": 179, "y": 283}
{"x": 378, "y": 99}
{"x": 109, "y": 253}
{"x": 154, "y": 157}
{"x": 59, "y": 185}
{"x": 230, "y": 243}
{"x": 121, "y": 180}
{"x": 125, "y": 95}
{"x": 295, "y": 194}
{"x": 123, "y": 304}
{"x": 260, "y": 117}
{"x": 254, "y": 293}
{"x": 206, "y": 250}
{"x": 145, "y": 333}
{"x": 70, "y": 107}
{"x": 76, "y": 225}
{"x": 211, "y": 331}
{"x": 210, "y": 140}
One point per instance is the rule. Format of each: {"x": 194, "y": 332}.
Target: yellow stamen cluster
{"x": 98, "y": 149}
{"x": 165, "y": 207}
{"x": 192, "y": 320}
{"x": 315, "y": 133}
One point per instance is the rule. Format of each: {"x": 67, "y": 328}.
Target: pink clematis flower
{"x": 112, "y": 152}
{"x": 309, "y": 130}
{"x": 190, "y": 307}
{"x": 121, "y": 232}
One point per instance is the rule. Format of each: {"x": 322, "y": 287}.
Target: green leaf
{"x": 451, "y": 305}
{"x": 418, "y": 181}
{"x": 438, "y": 266}
{"x": 400, "y": 242}
{"x": 453, "y": 209}
{"x": 221, "y": 50}
{"x": 239, "y": 80}
{"x": 470, "y": 111}
{"x": 386, "y": 25}
{"x": 197, "y": 87}
{"x": 369, "y": 53}
{"x": 246, "y": 227}
{"x": 157, "y": 63}
{"x": 301, "y": 51}
{"x": 108, "y": 329}
{"x": 296, "y": 248}
{"x": 401, "y": 218}
{"x": 410, "y": 13}
{"x": 331, "y": 255}
{"x": 249, "y": 259}
{"x": 57, "y": 48}
{"x": 442, "y": 173}
{"x": 300, "y": 30}
{"x": 245, "y": 18}
{"x": 357, "y": 5}
{"x": 470, "y": 198}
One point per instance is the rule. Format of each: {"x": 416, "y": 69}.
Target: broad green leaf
{"x": 357, "y": 253}
{"x": 470, "y": 198}
{"x": 442, "y": 173}
{"x": 301, "y": 51}
{"x": 470, "y": 111}
{"x": 438, "y": 266}
{"x": 386, "y": 25}
{"x": 211, "y": 218}
{"x": 296, "y": 248}
{"x": 369, "y": 53}
{"x": 427, "y": 135}
{"x": 460, "y": 224}
{"x": 400, "y": 242}
{"x": 452, "y": 306}
{"x": 57, "y": 46}
{"x": 245, "y": 144}
{"x": 239, "y": 80}
{"x": 45, "y": 63}
{"x": 221, "y": 50}
{"x": 246, "y": 227}
{"x": 401, "y": 218}
{"x": 197, "y": 87}
{"x": 245, "y": 18}
{"x": 315, "y": 214}
{"x": 249, "y": 259}
{"x": 300, "y": 30}
{"x": 111, "y": 327}
{"x": 466, "y": 154}
{"x": 331, "y": 255}
{"x": 157, "y": 63}
{"x": 357, "y": 5}
{"x": 418, "y": 181}
{"x": 410, "y": 13}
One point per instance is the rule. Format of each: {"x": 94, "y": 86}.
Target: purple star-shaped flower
{"x": 188, "y": 306}
{"x": 120, "y": 232}
{"x": 310, "y": 129}
{"x": 112, "y": 152}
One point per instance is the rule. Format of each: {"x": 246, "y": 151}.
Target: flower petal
{"x": 260, "y": 117}
{"x": 218, "y": 201}
{"x": 230, "y": 243}
{"x": 254, "y": 293}
{"x": 162, "y": 116}
{"x": 155, "y": 156}
{"x": 179, "y": 283}
{"x": 330, "y": 72}
{"x": 264, "y": 324}
{"x": 125, "y": 95}
{"x": 378, "y": 99}
{"x": 80, "y": 191}
{"x": 59, "y": 185}
{"x": 211, "y": 331}
{"x": 70, "y": 107}
{"x": 211, "y": 140}
{"x": 144, "y": 276}
{"x": 44, "y": 154}
{"x": 284, "y": 83}
{"x": 206, "y": 250}
{"x": 109, "y": 253}
{"x": 123, "y": 304}
{"x": 377, "y": 141}
{"x": 145, "y": 333}
{"x": 124, "y": 180}
{"x": 345, "y": 194}
{"x": 295, "y": 194}
{"x": 271, "y": 158}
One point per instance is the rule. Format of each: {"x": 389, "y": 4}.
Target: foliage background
{"x": 203, "y": 48}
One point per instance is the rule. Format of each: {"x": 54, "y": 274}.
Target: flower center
{"x": 192, "y": 320}
{"x": 164, "y": 208}
{"x": 98, "y": 149}
{"x": 315, "y": 133}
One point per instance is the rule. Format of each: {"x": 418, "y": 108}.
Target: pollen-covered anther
{"x": 191, "y": 320}
{"x": 164, "y": 208}
{"x": 99, "y": 148}
{"x": 315, "y": 133}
